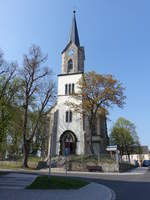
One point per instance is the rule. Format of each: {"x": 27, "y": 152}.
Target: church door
{"x": 68, "y": 141}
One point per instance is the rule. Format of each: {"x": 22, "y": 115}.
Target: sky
{"x": 114, "y": 33}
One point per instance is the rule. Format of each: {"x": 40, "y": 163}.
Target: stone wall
{"x": 106, "y": 167}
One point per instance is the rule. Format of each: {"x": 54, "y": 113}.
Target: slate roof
{"x": 74, "y": 36}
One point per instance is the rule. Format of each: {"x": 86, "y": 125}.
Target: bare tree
{"x": 37, "y": 93}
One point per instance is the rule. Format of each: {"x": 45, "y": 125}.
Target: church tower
{"x": 67, "y": 125}
{"x": 73, "y": 54}
{"x": 69, "y": 130}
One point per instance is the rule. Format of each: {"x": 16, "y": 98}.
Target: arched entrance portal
{"x": 68, "y": 140}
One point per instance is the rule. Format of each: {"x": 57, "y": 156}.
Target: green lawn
{"x": 32, "y": 162}
{"x": 56, "y": 182}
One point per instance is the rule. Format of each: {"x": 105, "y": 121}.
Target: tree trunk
{"x": 121, "y": 154}
{"x": 91, "y": 145}
{"x": 90, "y": 141}
{"x": 128, "y": 154}
{"x": 92, "y": 128}
{"x": 25, "y": 155}
{"x": 25, "y": 144}
{"x": 129, "y": 157}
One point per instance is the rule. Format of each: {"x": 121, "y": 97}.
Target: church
{"x": 69, "y": 128}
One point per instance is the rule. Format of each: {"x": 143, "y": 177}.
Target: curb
{"x": 95, "y": 191}
{"x": 55, "y": 171}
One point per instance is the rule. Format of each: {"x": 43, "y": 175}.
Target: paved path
{"x": 12, "y": 188}
{"x": 140, "y": 170}
{"x": 16, "y": 181}
{"x": 92, "y": 191}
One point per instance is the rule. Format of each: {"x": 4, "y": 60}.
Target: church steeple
{"x": 73, "y": 54}
{"x": 74, "y": 36}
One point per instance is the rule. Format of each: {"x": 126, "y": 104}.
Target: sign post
{"x": 114, "y": 149}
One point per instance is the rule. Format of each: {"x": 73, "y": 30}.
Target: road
{"x": 127, "y": 186}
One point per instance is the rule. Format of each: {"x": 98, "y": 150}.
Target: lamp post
{"x": 50, "y": 156}
{"x": 50, "y": 147}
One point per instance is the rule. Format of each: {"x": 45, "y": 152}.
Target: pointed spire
{"x": 74, "y": 37}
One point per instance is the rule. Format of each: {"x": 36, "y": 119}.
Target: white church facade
{"x": 68, "y": 129}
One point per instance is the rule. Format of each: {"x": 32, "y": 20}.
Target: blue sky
{"x": 115, "y": 34}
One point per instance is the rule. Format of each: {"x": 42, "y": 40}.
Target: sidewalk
{"x": 12, "y": 188}
{"x": 139, "y": 170}
{"x": 136, "y": 171}
{"x": 15, "y": 181}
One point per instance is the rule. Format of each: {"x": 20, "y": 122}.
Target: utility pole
{"x": 50, "y": 147}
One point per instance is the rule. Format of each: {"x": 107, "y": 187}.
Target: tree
{"x": 7, "y": 73}
{"x": 40, "y": 141}
{"x": 14, "y": 136}
{"x": 124, "y": 135}
{"x": 6, "y": 118}
{"x": 8, "y": 88}
{"x": 36, "y": 95}
{"x": 96, "y": 94}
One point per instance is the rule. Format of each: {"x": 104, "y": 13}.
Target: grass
{"x": 32, "y": 163}
{"x": 16, "y": 165}
{"x": 56, "y": 182}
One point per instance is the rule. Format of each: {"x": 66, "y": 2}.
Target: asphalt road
{"x": 126, "y": 187}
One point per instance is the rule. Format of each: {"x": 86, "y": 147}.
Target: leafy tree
{"x": 8, "y": 88}
{"x": 96, "y": 94}
{"x": 36, "y": 94}
{"x": 14, "y": 137}
{"x": 7, "y": 73}
{"x": 124, "y": 135}
{"x": 40, "y": 140}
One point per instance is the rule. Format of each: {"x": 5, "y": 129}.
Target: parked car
{"x": 146, "y": 163}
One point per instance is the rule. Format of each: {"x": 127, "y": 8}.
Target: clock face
{"x": 70, "y": 53}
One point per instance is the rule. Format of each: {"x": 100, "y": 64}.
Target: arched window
{"x": 70, "y": 65}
